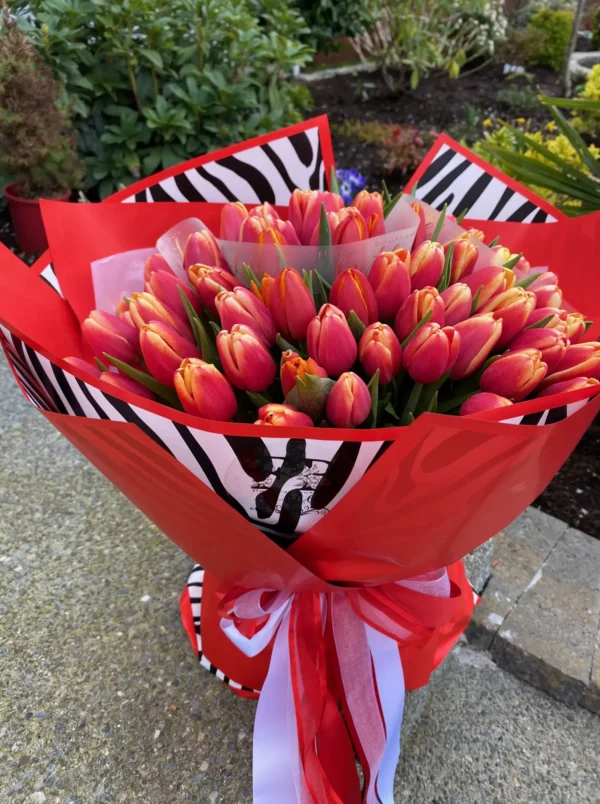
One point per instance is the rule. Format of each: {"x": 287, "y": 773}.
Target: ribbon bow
{"x": 340, "y": 646}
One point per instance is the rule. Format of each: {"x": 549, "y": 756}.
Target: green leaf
{"x": 324, "y": 230}
{"x": 456, "y": 402}
{"x": 163, "y": 391}
{"x": 391, "y": 204}
{"x": 320, "y": 293}
{"x": 216, "y": 328}
{"x": 576, "y": 141}
{"x": 494, "y": 242}
{"x": 390, "y": 409}
{"x": 475, "y": 301}
{"x": 334, "y": 186}
{"x": 541, "y": 323}
{"x": 307, "y": 278}
{"x": 282, "y": 260}
{"x": 447, "y": 270}
{"x": 462, "y": 215}
{"x": 587, "y": 324}
{"x": 385, "y": 193}
{"x": 250, "y": 275}
{"x": 356, "y": 325}
{"x": 510, "y": 264}
{"x": 414, "y": 79}
{"x": 529, "y": 280}
{"x": 439, "y": 224}
{"x": 100, "y": 364}
{"x": 310, "y": 395}
{"x": 411, "y": 404}
{"x": 153, "y": 57}
{"x": 203, "y": 341}
{"x": 285, "y": 346}
{"x": 373, "y": 387}
{"x": 259, "y": 400}
{"x": 421, "y": 323}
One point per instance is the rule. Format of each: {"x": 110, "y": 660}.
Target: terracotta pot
{"x": 27, "y": 219}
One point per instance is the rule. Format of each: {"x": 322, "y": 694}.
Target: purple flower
{"x": 350, "y": 181}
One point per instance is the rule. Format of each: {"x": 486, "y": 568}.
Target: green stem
{"x": 412, "y": 403}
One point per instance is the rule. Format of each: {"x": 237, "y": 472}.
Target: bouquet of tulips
{"x": 331, "y": 534}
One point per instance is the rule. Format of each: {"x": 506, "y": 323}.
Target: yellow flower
{"x": 551, "y": 126}
{"x": 487, "y": 122}
{"x": 520, "y": 120}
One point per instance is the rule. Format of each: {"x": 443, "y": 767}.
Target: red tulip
{"x": 421, "y": 234}
{"x": 165, "y": 287}
{"x": 292, "y": 366}
{"x": 548, "y": 295}
{"x": 514, "y": 375}
{"x": 580, "y": 360}
{"x": 124, "y": 383}
{"x": 514, "y": 307}
{"x": 104, "y": 332}
{"x": 431, "y": 353}
{"x": 464, "y": 257}
{"x": 351, "y": 291}
{"x": 351, "y": 227}
{"x": 305, "y": 210}
{"x": 576, "y": 384}
{"x": 349, "y": 401}
{"x": 457, "y": 303}
{"x": 291, "y": 303}
{"x": 209, "y": 282}
{"x": 204, "y": 391}
{"x": 232, "y": 217}
{"x": 83, "y": 365}
{"x": 558, "y": 320}
{"x": 156, "y": 262}
{"x": 574, "y": 327}
{"x": 330, "y": 341}
{"x": 415, "y": 308}
{"x": 522, "y": 269}
{"x": 551, "y": 342}
{"x": 163, "y": 349}
{"x": 257, "y": 230}
{"x": 390, "y": 279}
{"x": 246, "y": 360}
{"x": 482, "y": 401}
{"x": 241, "y": 306}
{"x": 370, "y": 206}
{"x": 478, "y": 337}
{"x": 124, "y": 314}
{"x": 379, "y": 348}
{"x": 145, "y": 308}
{"x": 266, "y": 211}
{"x": 202, "y": 248}
{"x": 426, "y": 265}
{"x": 277, "y": 415}
{"x": 492, "y": 280}
{"x": 501, "y": 255}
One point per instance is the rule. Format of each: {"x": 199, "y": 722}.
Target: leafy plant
{"x": 154, "y": 82}
{"x": 555, "y": 27}
{"x": 363, "y": 130}
{"x": 406, "y": 147}
{"x": 468, "y": 129}
{"x": 330, "y": 19}
{"x": 519, "y": 100}
{"x": 588, "y": 119}
{"x": 37, "y": 143}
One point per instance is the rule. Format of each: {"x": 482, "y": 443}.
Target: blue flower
{"x": 351, "y": 182}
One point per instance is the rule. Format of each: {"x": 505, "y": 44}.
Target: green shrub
{"x": 556, "y": 29}
{"x": 330, "y": 19}
{"x": 154, "y": 82}
{"x": 518, "y": 100}
{"x": 588, "y": 120}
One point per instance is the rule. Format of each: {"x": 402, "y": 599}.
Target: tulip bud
{"x": 145, "y": 308}
{"x": 482, "y": 401}
{"x": 278, "y": 415}
{"x": 370, "y": 206}
{"x": 351, "y": 291}
{"x": 232, "y": 217}
{"x": 83, "y": 365}
{"x": 305, "y": 210}
{"x": 379, "y": 348}
{"x": 292, "y": 305}
{"x": 246, "y": 360}
{"x": 421, "y": 234}
{"x": 415, "y": 308}
{"x": 209, "y": 282}
{"x": 163, "y": 349}
{"x": 426, "y": 265}
{"x": 478, "y": 337}
{"x": 476, "y": 233}
{"x": 390, "y": 279}
{"x": 265, "y": 292}
{"x": 548, "y": 295}
{"x": 464, "y": 257}
{"x": 351, "y": 227}
{"x": 156, "y": 262}
{"x": 457, "y": 302}
{"x": 165, "y": 287}
{"x": 266, "y": 211}
{"x": 349, "y": 401}
{"x": 431, "y": 353}
{"x": 574, "y": 327}
{"x": 522, "y": 269}
{"x": 240, "y": 306}
{"x": 288, "y": 232}
{"x": 576, "y": 384}
{"x": 330, "y": 341}
{"x": 492, "y": 280}
{"x": 557, "y": 321}
{"x": 580, "y": 360}
{"x": 257, "y": 230}
{"x": 202, "y": 248}
{"x": 124, "y": 314}
{"x": 551, "y": 343}
{"x": 104, "y": 332}
{"x": 514, "y": 307}
{"x": 204, "y": 391}
{"x": 501, "y": 255}
{"x": 514, "y": 375}
{"x": 112, "y": 380}
{"x": 292, "y": 366}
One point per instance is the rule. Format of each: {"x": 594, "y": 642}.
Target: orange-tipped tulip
{"x": 305, "y": 211}
{"x": 163, "y": 349}
{"x": 349, "y": 401}
{"x": 202, "y": 248}
{"x": 426, "y": 265}
{"x": 492, "y": 280}
{"x": 415, "y": 308}
{"x": 124, "y": 314}
{"x": 390, "y": 279}
{"x": 421, "y": 234}
{"x": 464, "y": 257}
{"x": 351, "y": 227}
{"x": 166, "y": 286}
{"x": 265, "y": 292}
{"x": 501, "y": 255}
{"x": 266, "y": 211}
{"x": 379, "y": 348}
{"x": 580, "y": 360}
{"x": 576, "y": 384}
{"x": 83, "y": 365}
{"x": 145, "y": 308}
{"x": 330, "y": 341}
{"x": 575, "y": 327}
{"x": 431, "y": 353}
{"x": 124, "y": 383}
{"x": 552, "y": 343}
{"x": 257, "y": 230}
{"x": 241, "y": 306}
{"x": 514, "y": 307}
{"x": 458, "y": 300}
{"x": 370, "y": 206}
{"x": 204, "y": 391}
{"x": 292, "y": 305}
{"x": 209, "y": 282}
{"x": 104, "y": 332}
{"x": 156, "y": 262}
{"x": 277, "y": 415}
{"x": 558, "y": 318}
{"x": 232, "y": 217}
{"x": 351, "y": 291}
{"x": 476, "y": 233}
{"x": 548, "y": 295}
{"x": 514, "y": 375}
{"x": 246, "y": 360}
{"x": 478, "y": 337}
{"x": 482, "y": 401}
{"x": 292, "y": 366}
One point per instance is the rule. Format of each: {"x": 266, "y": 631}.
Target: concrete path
{"x": 101, "y": 698}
